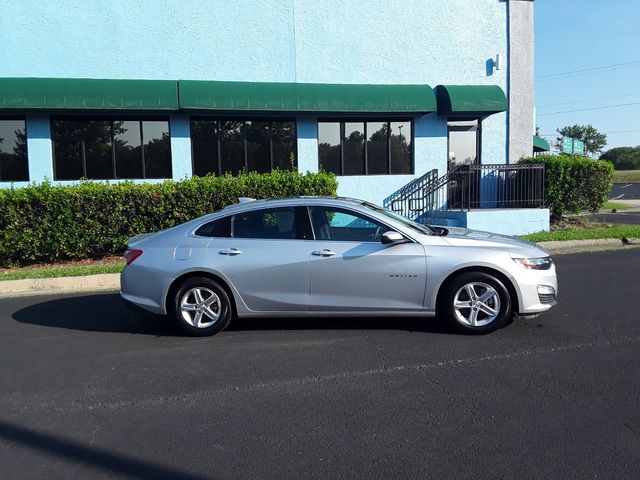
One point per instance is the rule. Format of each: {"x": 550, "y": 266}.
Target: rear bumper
{"x": 136, "y": 304}
{"x": 141, "y": 288}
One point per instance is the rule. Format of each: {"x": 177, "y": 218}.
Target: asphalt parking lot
{"x": 89, "y": 390}
{"x": 625, "y": 191}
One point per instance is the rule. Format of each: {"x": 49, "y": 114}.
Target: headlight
{"x": 540, "y": 263}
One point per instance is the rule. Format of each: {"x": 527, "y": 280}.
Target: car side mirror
{"x": 393, "y": 238}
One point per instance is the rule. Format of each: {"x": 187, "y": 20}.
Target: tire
{"x": 201, "y": 307}
{"x": 473, "y": 315}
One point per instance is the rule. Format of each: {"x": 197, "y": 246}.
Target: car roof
{"x": 249, "y": 204}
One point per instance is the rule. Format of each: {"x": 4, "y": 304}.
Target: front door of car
{"x": 350, "y": 269}
{"x": 265, "y": 258}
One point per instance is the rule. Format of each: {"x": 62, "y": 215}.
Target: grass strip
{"x": 603, "y": 232}
{"x": 616, "y": 205}
{"x": 626, "y": 176}
{"x": 60, "y": 271}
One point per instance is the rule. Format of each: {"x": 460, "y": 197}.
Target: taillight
{"x": 131, "y": 255}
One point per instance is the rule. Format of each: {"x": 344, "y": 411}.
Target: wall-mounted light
{"x": 497, "y": 63}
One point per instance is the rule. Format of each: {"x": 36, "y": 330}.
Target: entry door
{"x": 352, "y": 270}
{"x": 464, "y": 150}
{"x": 266, "y": 259}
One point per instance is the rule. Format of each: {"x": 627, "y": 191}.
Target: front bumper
{"x": 538, "y": 290}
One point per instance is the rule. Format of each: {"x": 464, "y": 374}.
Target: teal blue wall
{"x": 337, "y": 41}
{"x": 511, "y": 221}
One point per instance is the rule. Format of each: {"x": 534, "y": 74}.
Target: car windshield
{"x": 424, "y": 229}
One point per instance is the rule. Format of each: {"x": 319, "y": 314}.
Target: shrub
{"x": 574, "y": 184}
{"x": 47, "y": 223}
{"x": 623, "y": 158}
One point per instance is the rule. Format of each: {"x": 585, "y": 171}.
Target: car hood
{"x": 476, "y": 238}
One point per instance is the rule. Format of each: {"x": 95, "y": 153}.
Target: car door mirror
{"x": 393, "y": 238}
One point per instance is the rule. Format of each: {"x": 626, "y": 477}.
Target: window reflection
{"x": 353, "y": 148}
{"x": 258, "y": 147}
{"x": 342, "y": 149}
{"x": 243, "y": 145}
{"x": 231, "y": 137}
{"x": 283, "y": 146}
{"x": 204, "y": 147}
{"x": 400, "y": 147}
{"x": 13, "y": 151}
{"x": 127, "y": 142}
{"x": 157, "y": 149}
{"x": 377, "y": 142}
{"x": 329, "y": 147}
{"x": 110, "y": 149}
{"x": 463, "y": 142}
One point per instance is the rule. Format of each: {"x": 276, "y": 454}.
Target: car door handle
{"x": 230, "y": 251}
{"x": 323, "y": 253}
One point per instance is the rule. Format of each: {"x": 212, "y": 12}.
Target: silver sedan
{"x": 326, "y": 257}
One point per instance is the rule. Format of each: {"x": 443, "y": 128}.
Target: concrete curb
{"x": 559, "y": 247}
{"x": 111, "y": 281}
{"x": 53, "y": 286}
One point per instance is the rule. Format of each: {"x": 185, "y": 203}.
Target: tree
{"x": 623, "y": 158}
{"x": 594, "y": 140}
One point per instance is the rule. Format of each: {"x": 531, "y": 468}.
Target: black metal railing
{"x": 412, "y": 193}
{"x": 471, "y": 187}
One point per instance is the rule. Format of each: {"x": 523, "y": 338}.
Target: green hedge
{"x": 46, "y": 223}
{"x": 574, "y": 184}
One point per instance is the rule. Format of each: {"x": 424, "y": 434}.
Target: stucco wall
{"x": 521, "y": 79}
{"x": 339, "y": 41}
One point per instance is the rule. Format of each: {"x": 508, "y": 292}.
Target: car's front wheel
{"x": 476, "y": 302}
{"x": 202, "y": 307}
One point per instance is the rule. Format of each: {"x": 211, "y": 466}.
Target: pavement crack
{"x": 298, "y": 382}
{"x": 380, "y": 349}
{"x": 99, "y": 427}
{"x": 453, "y": 398}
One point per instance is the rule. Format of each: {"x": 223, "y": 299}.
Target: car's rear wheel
{"x": 476, "y": 302}
{"x": 202, "y": 307}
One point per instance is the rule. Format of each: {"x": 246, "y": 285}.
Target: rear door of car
{"x": 264, "y": 255}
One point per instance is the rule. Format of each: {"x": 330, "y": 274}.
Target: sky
{"x": 575, "y": 35}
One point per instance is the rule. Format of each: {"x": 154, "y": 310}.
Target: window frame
{"x": 388, "y": 120}
{"x": 244, "y": 120}
{"x": 110, "y": 118}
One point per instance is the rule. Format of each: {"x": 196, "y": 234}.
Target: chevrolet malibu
{"x": 332, "y": 257}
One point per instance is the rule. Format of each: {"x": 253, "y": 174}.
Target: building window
{"x": 14, "y": 166}
{"x": 366, "y": 147}
{"x": 464, "y": 143}
{"x": 234, "y": 146}
{"x": 105, "y": 149}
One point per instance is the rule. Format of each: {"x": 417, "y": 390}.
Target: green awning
{"x": 305, "y": 97}
{"x": 476, "y": 100}
{"x": 540, "y": 144}
{"x": 85, "y": 93}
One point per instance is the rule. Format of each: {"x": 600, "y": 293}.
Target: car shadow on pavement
{"x": 94, "y": 313}
{"x": 108, "y": 313}
{"x": 424, "y": 325}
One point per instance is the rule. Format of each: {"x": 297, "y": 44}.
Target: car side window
{"x": 220, "y": 228}
{"x": 343, "y": 225}
{"x": 273, "y": 223}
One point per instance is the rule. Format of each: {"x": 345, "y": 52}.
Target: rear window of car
{"x": 275, "y": 223}
{"x": 220, "y": 228}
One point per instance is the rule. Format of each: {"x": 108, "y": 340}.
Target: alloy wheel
{"x": 476, "y": 304}
{"x": 200, "y": 307}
